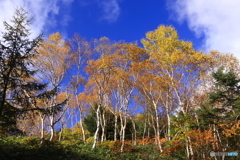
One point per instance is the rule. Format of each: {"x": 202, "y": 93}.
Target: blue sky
{"x": 119, "y": 20}
{"x": 210, "y": 25}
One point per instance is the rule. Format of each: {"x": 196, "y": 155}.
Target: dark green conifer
{"x": 17, "y": 85}
{"x": 223, "y": 105}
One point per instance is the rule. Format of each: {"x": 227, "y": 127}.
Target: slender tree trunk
{"x": 190, "y": 148}
{"x": 115, "y": 126}
{"x": 103, "y": 126}
{"x": 123, "y": 132}
{"x": 42, "y": 118}
{"x": 121, "y": 129}
{"x": 52, "y": 124}
{"x": 168, "y": 127}
{"x": 144, "y": 130}
{"x": 98, "y": 127}
{"x": 167, "y": 105}
{"x": 81, "y": 117}
{"x": 51, "y": 127}
{"x": 134, "y": 135}
{"x": 219, "y": 138}
{"x": 187, "y": 149}
{"x": 60, "y": 134}
{"x": 154, "y": 128}
{"x": 157, "y": 127}
{"x": 83, "y": 131}
{"x": 54, "y": 121}
{"x": 216, "y": 145}
{"x": 42, "y": 128}
{"x": 148, "y": 128}
{"x": 203, "y": 155}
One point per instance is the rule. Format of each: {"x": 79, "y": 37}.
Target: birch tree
{"x": 80, "y": 54}
{"x": 53, "y": 55}
{"x": 100, "y": 71}
{"x": 122, "y": 87}
{"x": 179, "y": 64}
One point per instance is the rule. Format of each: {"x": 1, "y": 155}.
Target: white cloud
{"x": 111, "y": 10}
{"x": 42, "y": 11}
{"x": 217, "y": 20}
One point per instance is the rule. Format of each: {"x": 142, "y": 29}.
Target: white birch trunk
{"x": 115, "y": 127}
{"x": 144, "y": 130}
{"x": 157, "y": 127}
{"x": 190, "y": 147}
{"x": 83, "y": 131}
{"x": 42, "y": 117}
{"x": 98, "y": 127}
{"x": 103, "y": 126}
{"x": 167, "y": 105}
{"x": 60, "y": 134}
{"x": 123, "y": 132}
{"x": 134, "y": 135}
{"x": 51, "y": 127}
{"x": 168, "y": 127}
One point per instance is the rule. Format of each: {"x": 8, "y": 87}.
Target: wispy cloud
{"x": 218, "y": 21}
{"x": 42, "y": 11}
{"x": 111, "y": 10}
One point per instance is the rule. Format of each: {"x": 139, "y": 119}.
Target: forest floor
{"x": 31, "y": 148}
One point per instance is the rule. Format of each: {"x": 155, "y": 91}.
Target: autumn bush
{"x": 90, "y": 140}
{"x": 174, "y": 150}
{"x": 109, "y": 144}
{"x": 28, "y": 148}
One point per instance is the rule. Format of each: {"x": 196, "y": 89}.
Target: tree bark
{"x": 144, "y": 130}
{"x": 115, "y": 126}
{"x": 51, "y": 127}
{"x": 103, "y": 126}
{"x": 81, "y": 126}
{"x": 134, "y": 134}
{"x": 157, "y": 127}
{"x": 98, "y": 127}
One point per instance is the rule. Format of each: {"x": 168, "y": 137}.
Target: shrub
{"x": 90, "y": 140}
{"x": 108, "y": 144}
